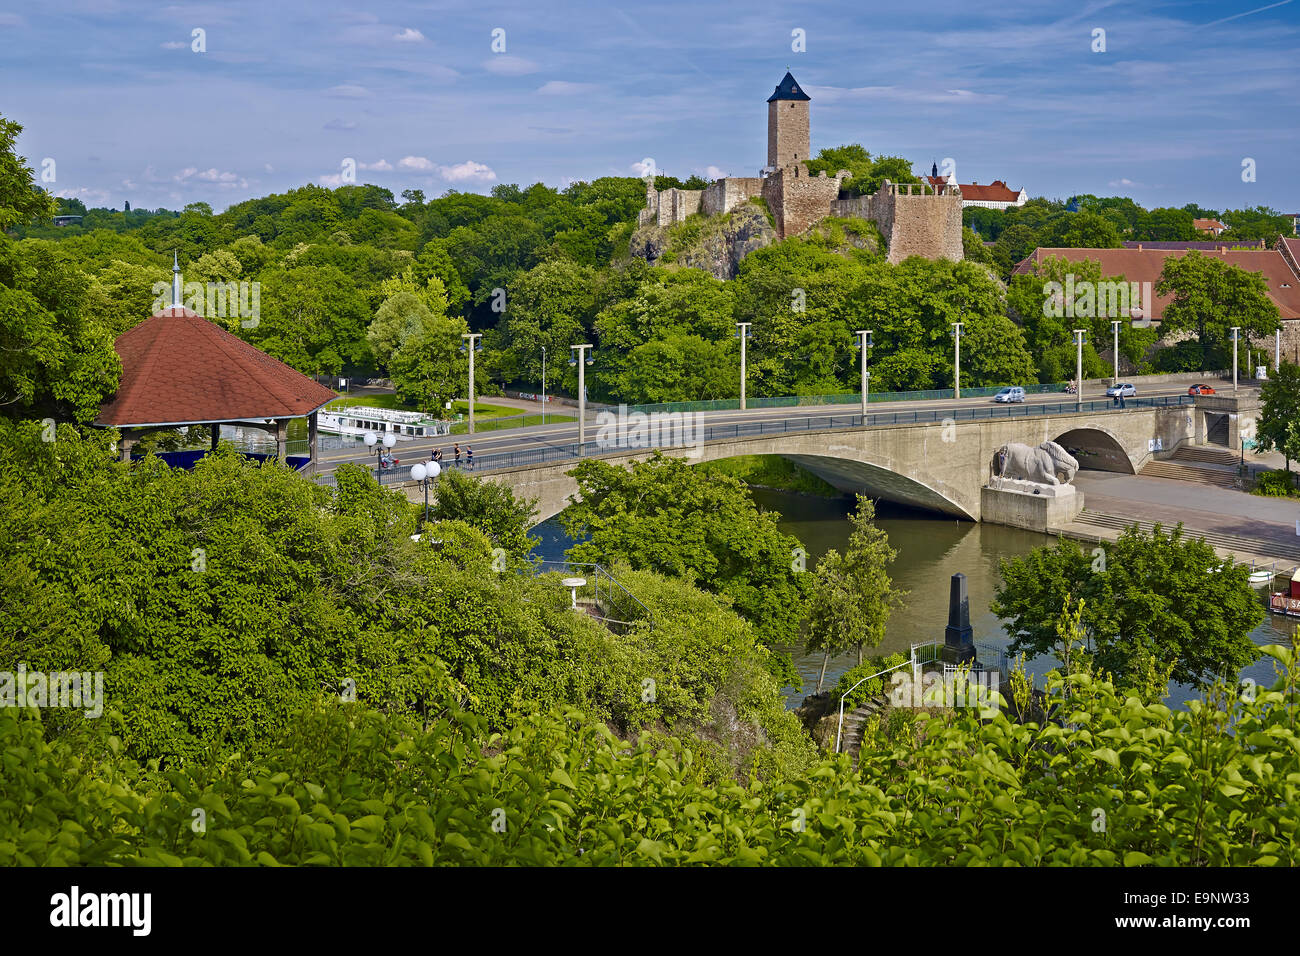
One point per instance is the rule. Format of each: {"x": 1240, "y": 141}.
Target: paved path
{"x": 1166, "y": 500}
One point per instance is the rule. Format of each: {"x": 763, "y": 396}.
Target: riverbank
{"x": 773, "y": 473}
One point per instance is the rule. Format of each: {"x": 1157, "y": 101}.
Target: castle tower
{"x": 787, "y": 125}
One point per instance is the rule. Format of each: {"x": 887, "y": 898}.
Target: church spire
{"x": 176, "y": 280}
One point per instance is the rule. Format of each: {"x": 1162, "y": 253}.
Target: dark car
{"x": 1200, "y": 389}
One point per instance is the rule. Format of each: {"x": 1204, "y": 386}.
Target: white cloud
{"x": 713, "y": 172}
{"x": 466, "y": 171}
{"x": 564, "y": 88}
{"x": 409, "y": 36}
{"x": 415, "y": 162}
{"x": 226, "y": 180}
{"x": 645, "y": 167}
{"x": 175, "y": 45}
{"x": 505, "y": 64}
{"x": 91, "y": 197}
{"x": 331, "y": 180}
{"x": 382, "y": 166}
{"x": 348, "y": 91}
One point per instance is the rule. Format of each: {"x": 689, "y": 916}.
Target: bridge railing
{"x": 846, "y": 398}
{"x": 549, "y": 454}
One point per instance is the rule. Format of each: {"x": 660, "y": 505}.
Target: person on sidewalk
{"x": 469, "y": 452}
{"x": 456, "y": 448}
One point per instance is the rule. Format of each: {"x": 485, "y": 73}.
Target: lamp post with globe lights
{"x": 372, "y": 441}
{"x": 422, "y": 473}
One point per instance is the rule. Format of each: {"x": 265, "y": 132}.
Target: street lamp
{"x": 1235, "y": 330}
{"x": 474, "y": 346}
{"x": 956, "y": 377}
{"x": 581, "y": 361}
{"x": 1080, "y": 336}
{"x": 864, "y": 344}
{"x": 372, "y": 440}
{"x": 742, "y": 333}
{"x": 422, "y": 473}
{"x": 543, "y": 384}
{"x": 1115, "y": 327}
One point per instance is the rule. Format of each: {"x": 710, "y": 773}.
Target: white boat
{"x": 1260, "y": 578}
{"x": 356, "y": 420}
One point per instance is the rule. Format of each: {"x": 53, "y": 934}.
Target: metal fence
{"x": 617, "y": 606}
{"x": 846, "y": 398}
{"x": 570, "y": 452}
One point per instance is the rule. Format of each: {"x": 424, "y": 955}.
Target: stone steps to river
{"x": 851, "y": 739}
{"x": 1180, "y": 472}
{"x": 1282, "y": 550}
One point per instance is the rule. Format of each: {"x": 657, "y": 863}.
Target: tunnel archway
{"x": 1096, "y": 450}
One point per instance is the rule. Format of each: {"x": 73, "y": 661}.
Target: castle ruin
{"x": 913, "y": 219}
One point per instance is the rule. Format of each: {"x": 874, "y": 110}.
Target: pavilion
{"x": 179, "y": 369}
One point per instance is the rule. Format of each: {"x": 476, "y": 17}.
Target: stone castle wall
{"x": 799, "y": 201}
{"x": 913, "y": 225}
{"x": 726, "y": 194}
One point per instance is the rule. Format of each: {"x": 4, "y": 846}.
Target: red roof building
{"x": 996, "y": 195}
{"x": 1212, "y": 226}
{"x": 180, "y": 369}
{"x": 1280, "y": 267}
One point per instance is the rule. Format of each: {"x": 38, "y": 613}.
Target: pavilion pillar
{"x": 216, "y": 434}
{"x": 126, "y": 444}
{"x": 282, "y": 438}
{"x": 313, "y": 441}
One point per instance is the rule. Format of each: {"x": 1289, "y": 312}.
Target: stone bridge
{"x": 940, "y": 465}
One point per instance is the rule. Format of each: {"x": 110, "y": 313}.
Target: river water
{"x": 931, "y": 548}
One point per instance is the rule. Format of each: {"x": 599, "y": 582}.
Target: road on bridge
{"x": 535, "y": 437}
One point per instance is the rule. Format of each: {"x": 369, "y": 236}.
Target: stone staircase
{"x": 1281, "y": 550}
{"x": 851, "y": 743}
{"x": 1199, "y": 464}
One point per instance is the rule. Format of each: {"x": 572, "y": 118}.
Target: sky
{"x": 1163, "y": 102}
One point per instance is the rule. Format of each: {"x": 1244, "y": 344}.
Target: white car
{"x": 1012, "y": 393}
{"x": 1123, "y": 390}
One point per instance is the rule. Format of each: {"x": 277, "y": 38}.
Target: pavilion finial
{"x": 176, "y": 280}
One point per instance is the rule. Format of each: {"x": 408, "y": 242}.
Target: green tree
{"x": 1209, "y": 296}
{"x": 1278, "y": 427}
{"x": 1159, "y": 598}
{"x": 488, "y": 506}
{"x": 663, "y": 515}
{"x": 20, "y": 201}
{"x": 852, "y": 595}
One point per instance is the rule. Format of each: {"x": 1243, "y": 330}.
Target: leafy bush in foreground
{"x": 1117, "y": 782}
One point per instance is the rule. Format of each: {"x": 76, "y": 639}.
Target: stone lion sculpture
{"x": 1048, "y": 464}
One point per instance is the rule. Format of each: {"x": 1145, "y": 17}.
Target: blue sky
{"x": 413, "y": 92}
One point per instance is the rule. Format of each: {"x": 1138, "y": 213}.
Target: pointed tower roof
{"x": 788, "y": 89}
{"x": 180, "y": 369}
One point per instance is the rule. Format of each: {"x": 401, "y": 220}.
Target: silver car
{"x": 1122, "y": 390}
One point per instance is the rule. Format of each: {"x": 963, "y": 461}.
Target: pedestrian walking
{"x": 470, "y": 453}
{"x": 436, "y": 456}
{"x": 456, "y": 448}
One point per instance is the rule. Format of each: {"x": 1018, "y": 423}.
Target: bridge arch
{"x": 1097, "y": 449}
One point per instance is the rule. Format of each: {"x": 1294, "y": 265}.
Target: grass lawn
{"x": 389, "y": 400}
{"x": 489, "y": 425}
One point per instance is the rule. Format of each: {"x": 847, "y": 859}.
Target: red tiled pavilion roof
{"x": 180, "y": 369}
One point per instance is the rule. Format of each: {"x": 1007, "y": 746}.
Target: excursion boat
{"x": 1284, "y": 602}
{"x": 356, "y": 420}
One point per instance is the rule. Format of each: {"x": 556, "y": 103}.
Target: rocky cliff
{"x": 716, "y": 244}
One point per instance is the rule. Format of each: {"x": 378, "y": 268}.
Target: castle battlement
{"x": 914, "y": 219}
